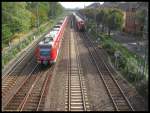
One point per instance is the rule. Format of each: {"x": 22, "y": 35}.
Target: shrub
{"x": 142, "y": 88}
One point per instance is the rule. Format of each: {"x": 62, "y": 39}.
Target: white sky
{"x": 75, "y": 4}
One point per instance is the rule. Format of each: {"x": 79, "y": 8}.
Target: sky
{"x": 75, "y": 4}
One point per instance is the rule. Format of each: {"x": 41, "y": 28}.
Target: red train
{"x": 80, "y": 23}
{"x": 48, "y": 49}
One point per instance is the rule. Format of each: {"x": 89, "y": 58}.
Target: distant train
{"x": 48, "y": 49}
{"x": 80, "y": 23}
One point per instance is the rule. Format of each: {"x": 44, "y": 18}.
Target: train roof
{"x": 57, "y": 26}
{"x": 48, "y": 35}
{"x": 55, "y": 29}
{"x": 60, "y": 22}
{"x": 46, "y": 42}
{"x": 53, "y": 33}
{"x": 77, "y": 17}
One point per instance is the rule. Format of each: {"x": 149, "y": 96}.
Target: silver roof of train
{"x": 77, "y": 17}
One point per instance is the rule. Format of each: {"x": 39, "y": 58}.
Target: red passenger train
{"x": 80, "y": 23}
{"x": 48, "y": 49}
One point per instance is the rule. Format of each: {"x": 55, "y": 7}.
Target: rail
{"x": 116, "y": 94}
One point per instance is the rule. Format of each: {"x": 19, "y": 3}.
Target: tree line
{"x": 112, "y": 19}
{"x": 23, "y": 16}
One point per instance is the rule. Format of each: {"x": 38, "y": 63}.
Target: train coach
{"x": 80, "y": 23}
{"x": 48, "y": 49}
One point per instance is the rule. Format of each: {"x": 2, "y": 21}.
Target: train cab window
{"x": 55, "y": 29}
{"x": 56, "y": 26}
{"x": 59, "y": 23}
{"x": 82, "y": 22}
{"x": 53, "y": 33}
{"x": 48, "y": 39}
{"x": 45, "y": 50}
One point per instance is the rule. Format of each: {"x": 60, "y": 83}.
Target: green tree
{"x": 55, "y": 9}
{"x": 15, "y": 18}
{"x": 105, "y": 19}
{"x": 6, "y": 33}
{"x": 100, "y": 18}
{"x": 89, "y": 13}
{"x": 18, "y": 17}
{"x": 114, "y": 20}
{"x": 59, "y": 9}
{"x": 141, "y": 17}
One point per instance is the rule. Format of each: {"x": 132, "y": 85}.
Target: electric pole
{"x": 37, "y": 9}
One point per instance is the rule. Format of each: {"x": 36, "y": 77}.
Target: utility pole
{"x": 37, "y": 9}
{"x": 96, "y": 23}
{"x": 53, "y": 9}
{"x": 145, "y": 31}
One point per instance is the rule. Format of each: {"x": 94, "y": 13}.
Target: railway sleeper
{"x": 111, "y": 87}
{"x": 35, "y": 94}
{"x": 124, "y": 108}
{"x": 121, "y": 103}
{"x": 76, "y": 100}
{"x": 33, "y": 99}
{"x": 115, "y": 92}
{"x": 20, "y": 95}
{"x": 75, "y": 94}
{"x": 76, "y": 89}
{"x": 29, "y": 109}
{"x": 117, "y": 97}
{"x": 76, "y": 97}
{"x": 76, "y": 108}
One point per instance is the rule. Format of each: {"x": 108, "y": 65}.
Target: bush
{"x": 142, "y": 88}
{"x": 122, "y": 62}
{"x": 15, "y": 51}
{"x": 131, "y": 76}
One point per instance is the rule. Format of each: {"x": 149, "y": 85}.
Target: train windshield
{"x": 82, "y": 22}
{"x": 56, "y": 26}
{"x": 45, "y": 50}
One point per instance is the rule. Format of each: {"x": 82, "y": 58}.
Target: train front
{"x": 43, "y": 52}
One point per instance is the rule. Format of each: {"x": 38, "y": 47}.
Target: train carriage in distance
{"x": 48, "y": 49}
{"x": 80, "y": 23}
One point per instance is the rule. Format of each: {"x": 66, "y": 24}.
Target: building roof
{"x": 121, "y": 5}
{"x": 94, "y": 5}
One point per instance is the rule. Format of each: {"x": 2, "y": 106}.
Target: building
{"x": 129, "y": 9}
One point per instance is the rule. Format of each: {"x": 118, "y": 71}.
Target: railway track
{"x": 14, "y": 79}
{"x": 31, "y": 93}
{"x": 76, "y": 95}
{"x": 23, "y": 56}
{"x": 14, "y": 76}
{"x": 119, "y": 100}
